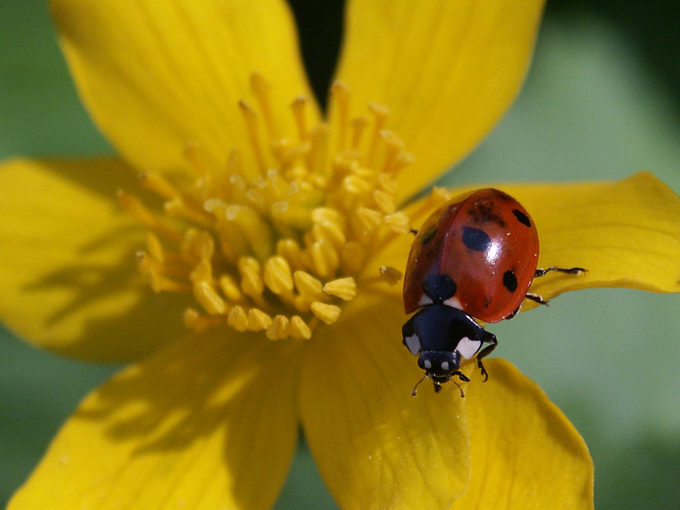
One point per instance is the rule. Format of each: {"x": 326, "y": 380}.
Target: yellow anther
{"x": 439, "y": 196}
{"x": 159, "y": 185}
{"x": 308, "y": 286}
{"x": 279, "y": 328}
{"x": 230, "y": 288}
{"x": 391, "y": 274}
{"x": 258, "y": 320}
{"x": 366, "y": 220}
{"x": 386, "y": 183}
{"x": 384, "y": 201}
{"x": 323, "y": 258}
{"x": 327, "y": 215}
{"x": 344, "y": 288}
{"x": 251, "y": 279}
{"x": 299, "y": 328}
{"x": 403, "y": 160}
{"x": 353, "y": 256}
{"x": 197, "y": 245}
{"x": 277, "y": 275}
{"x": 209, "y": 299}
{"x": 254, "y": 228}
{"x": 327, "y": 313}
{"x": 355, "y": 185}
{"x": 298, "y": 106}
{"x": 155, "y": 247}
{"x": 330, "y": 233}
{"x": 398, "y": 222}
{"x": 238, "y": 319}
{"x": 291, "y": 251}
{"x": 202, "y": 272}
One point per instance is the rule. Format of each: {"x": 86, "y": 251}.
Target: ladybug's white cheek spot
{"x": 453, "y": 302}
{"x": 427, "y": 364}
{"x": 445, "y": 365}
{"x": 413, "y": 344}
{"x": 271, "y": 237}
{"x": 425, "y": 300}
{"x": 468, "y": 348}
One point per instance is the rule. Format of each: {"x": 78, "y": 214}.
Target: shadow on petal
{"x": 209, "y": 420}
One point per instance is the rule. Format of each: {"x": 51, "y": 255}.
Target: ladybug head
{"x": 439, "y": 365}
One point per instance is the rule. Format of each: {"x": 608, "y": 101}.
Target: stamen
{"x": 250, "y": 117}
{"x": 299, "y": 329}
{"x": 298, "y": 106}
{"x": 238, "y": 319}
{"x": 340, "y": 97}
{"x": 358, "y": 126}
{"x": 154, "y": 182}
{"x": 136, "y": 208}
{"x": 344, "y": 288}
{"x": 327, "y": 313}
{"x": 208, "y": 298}
{"x": 258, "y": 320}
{"x": 279, "y": 328}
{"x": 260, "y": 88}
{"x": 277, "y": 275}
{"x": 380, "y": 114}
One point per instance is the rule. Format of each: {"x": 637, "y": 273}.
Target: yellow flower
{"x": 262, "y": 231}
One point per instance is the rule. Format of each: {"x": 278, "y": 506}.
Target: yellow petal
{"x": 207, "y": 423}
{"x": 157, "y": 76}
{"x": 447, "y": 70}
{"x": 377, "y": 446}
{"x": 525, "y": 453}
{"x": 67, "y": 266}
{"x": 626, "y": 233}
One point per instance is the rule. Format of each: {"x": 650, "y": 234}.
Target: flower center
{"x": 277, "y": 249}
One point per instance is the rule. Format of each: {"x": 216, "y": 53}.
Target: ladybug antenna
{"x": 415, "y": 388}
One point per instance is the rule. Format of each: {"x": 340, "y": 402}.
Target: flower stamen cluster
{"x": 279, "y": 247}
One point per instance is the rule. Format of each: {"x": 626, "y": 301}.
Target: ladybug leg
{"x": 483, "y": 354}
{"x": 571, "y": 270}
{"x": 413, "y": 231}
{"x": 536, "y": 298}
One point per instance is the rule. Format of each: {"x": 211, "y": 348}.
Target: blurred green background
{"x": 601, "y": 102}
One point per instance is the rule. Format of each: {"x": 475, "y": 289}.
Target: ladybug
{"x": 473, "y": 259}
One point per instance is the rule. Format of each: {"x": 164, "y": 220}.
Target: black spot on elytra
{"x": 521, "y": 217}
{"x": 427, "y": 236}
{"x": 484, "y": 211}
{"x": 476, "y": 239}
{"x": 510, "y": 281}
{"x": 439, "y": 287}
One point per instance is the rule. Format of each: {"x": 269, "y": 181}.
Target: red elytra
{"x": 486, "y": 244}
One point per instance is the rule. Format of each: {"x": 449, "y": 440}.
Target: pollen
{"x": 276, "y": 239}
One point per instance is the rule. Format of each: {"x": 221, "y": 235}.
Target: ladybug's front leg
{"x": 491, "y": 339}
